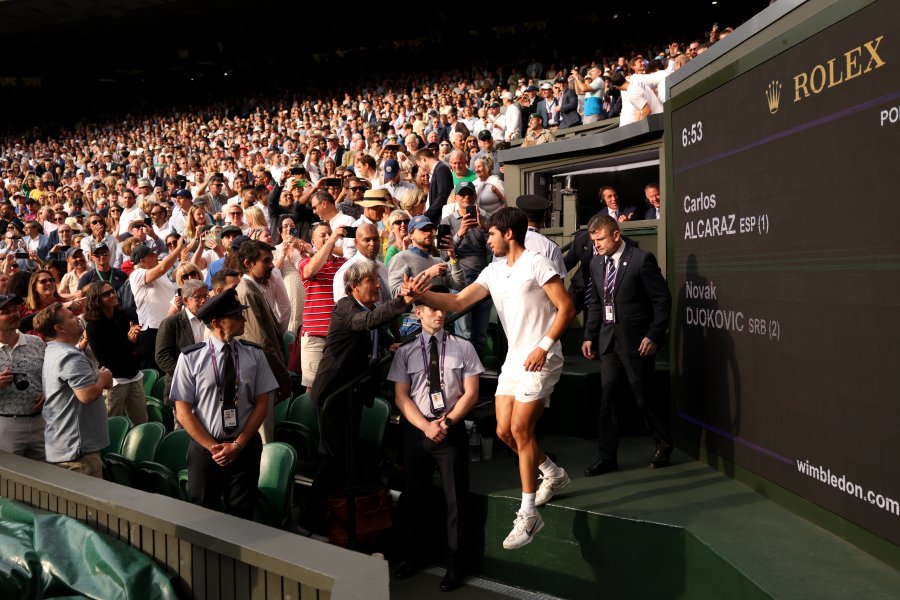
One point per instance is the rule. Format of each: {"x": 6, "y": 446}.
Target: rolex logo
{"x": 773, "y": 96}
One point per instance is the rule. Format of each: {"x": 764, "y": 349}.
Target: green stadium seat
{"x": 276, "y": 477}
{"x": 172, "y": 450}
{"x": 158, "y": 479}
{"x": 303, "y": 411}
{"x": 150, "y": 378}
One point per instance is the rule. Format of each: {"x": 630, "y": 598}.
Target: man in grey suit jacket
{"x": 181, "y": 329}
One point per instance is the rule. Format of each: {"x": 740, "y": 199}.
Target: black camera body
{"x": 20, "y": 380}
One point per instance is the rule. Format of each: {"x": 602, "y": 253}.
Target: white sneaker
{"x": 549, "y": 486}
{"x": 525, "y": 527}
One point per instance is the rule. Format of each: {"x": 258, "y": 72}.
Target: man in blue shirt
{"x": 76, "y": 429}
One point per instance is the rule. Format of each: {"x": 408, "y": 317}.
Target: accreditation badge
{"x": 437, "y": 400}
{"x": 609, "y": 313}
{"x": 229, "y": 418}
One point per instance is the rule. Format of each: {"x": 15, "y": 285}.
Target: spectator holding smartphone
{"x": 468, "y": 231}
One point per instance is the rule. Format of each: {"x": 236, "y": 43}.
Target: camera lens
{"x": 20, "y": 380}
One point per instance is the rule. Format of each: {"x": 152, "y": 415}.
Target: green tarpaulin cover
{"x": 54, "y": 556}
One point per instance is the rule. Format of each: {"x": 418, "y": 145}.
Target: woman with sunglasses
{"x": 398, "y": 223}
{"x": 185, "y": 271}
{"x": 42, "y": 293}
{"x": 113, "y": 336}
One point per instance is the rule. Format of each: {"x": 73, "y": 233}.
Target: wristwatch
{"x": 448, "y": 421}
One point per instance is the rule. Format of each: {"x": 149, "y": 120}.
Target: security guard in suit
{"x": 220, "y": 388}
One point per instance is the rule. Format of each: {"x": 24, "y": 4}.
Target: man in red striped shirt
{"x": 317, "y": 274}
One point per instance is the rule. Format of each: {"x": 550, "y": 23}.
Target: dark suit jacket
{"x": 173, "y": 335}
{"x": 460, "y": 127}
{"x": 628, "y": 210}
{"x": 581, "y": 251}
{"x": 568, "y": 109}
{"x": 641, "y": 299}
{"x": 438, "y": 191}
{"x": 348, "y": 348}
{"x": 650, "y": 214}
{"x": 338, "y": 155}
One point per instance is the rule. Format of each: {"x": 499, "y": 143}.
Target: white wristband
{"x": 546, "y": 344}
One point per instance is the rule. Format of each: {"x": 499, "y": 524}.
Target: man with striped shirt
{"x": 317, "y": 274}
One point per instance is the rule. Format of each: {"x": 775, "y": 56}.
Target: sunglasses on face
{"x": 108, "y": 294}
{"x": 191, "y": 275}
{"x": 45, "y": 281}
{"x": 172, "y": 244}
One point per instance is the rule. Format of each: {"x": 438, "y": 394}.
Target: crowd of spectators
{"x": 120, "y": 224}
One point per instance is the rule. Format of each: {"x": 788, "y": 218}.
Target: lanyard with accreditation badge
{"x": 437, "y": 398}
{"x": 229, "y": 413}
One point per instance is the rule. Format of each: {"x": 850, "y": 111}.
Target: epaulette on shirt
{"x": 251, "y": 344}
{"x": 415, "y": 337}
{"x": 192, "y": 347}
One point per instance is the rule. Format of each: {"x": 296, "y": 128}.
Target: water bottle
{"x": 474, "y": 444}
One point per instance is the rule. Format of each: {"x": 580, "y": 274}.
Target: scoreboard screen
{"x": 784, "y": 263}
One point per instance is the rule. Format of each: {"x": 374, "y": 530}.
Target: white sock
{"x": 528, "y": 503}
{"x": 550, "y": 469}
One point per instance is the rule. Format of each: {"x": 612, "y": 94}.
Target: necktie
{"x": 589, "y": 291}
{"x": 434, "y": 373}
{"x": 657, "y": 213}
{"x": 434, "y": 368}
{"x": 228, "y": 378}
{"x": 610, "y": 284}
{"x": 614, "y": 214}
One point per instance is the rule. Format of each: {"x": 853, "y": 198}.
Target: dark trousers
{"x": 344, "y": 412}
{"x": 639, "y": 372}
{"x": 232, "y": 487}
{"x": 420, "y": 455}
{"x": 147, "y": 342}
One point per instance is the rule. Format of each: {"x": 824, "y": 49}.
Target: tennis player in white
{"x": 535, "y": 311}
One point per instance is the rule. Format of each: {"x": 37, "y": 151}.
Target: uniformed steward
{"x": 220, "y": 388}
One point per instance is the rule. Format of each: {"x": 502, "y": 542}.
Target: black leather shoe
{"x": 600, "y": 467}
{"x": 407, "y": 569}
{"x": 452, "y": 580}
{"x": 660, "y": 458}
